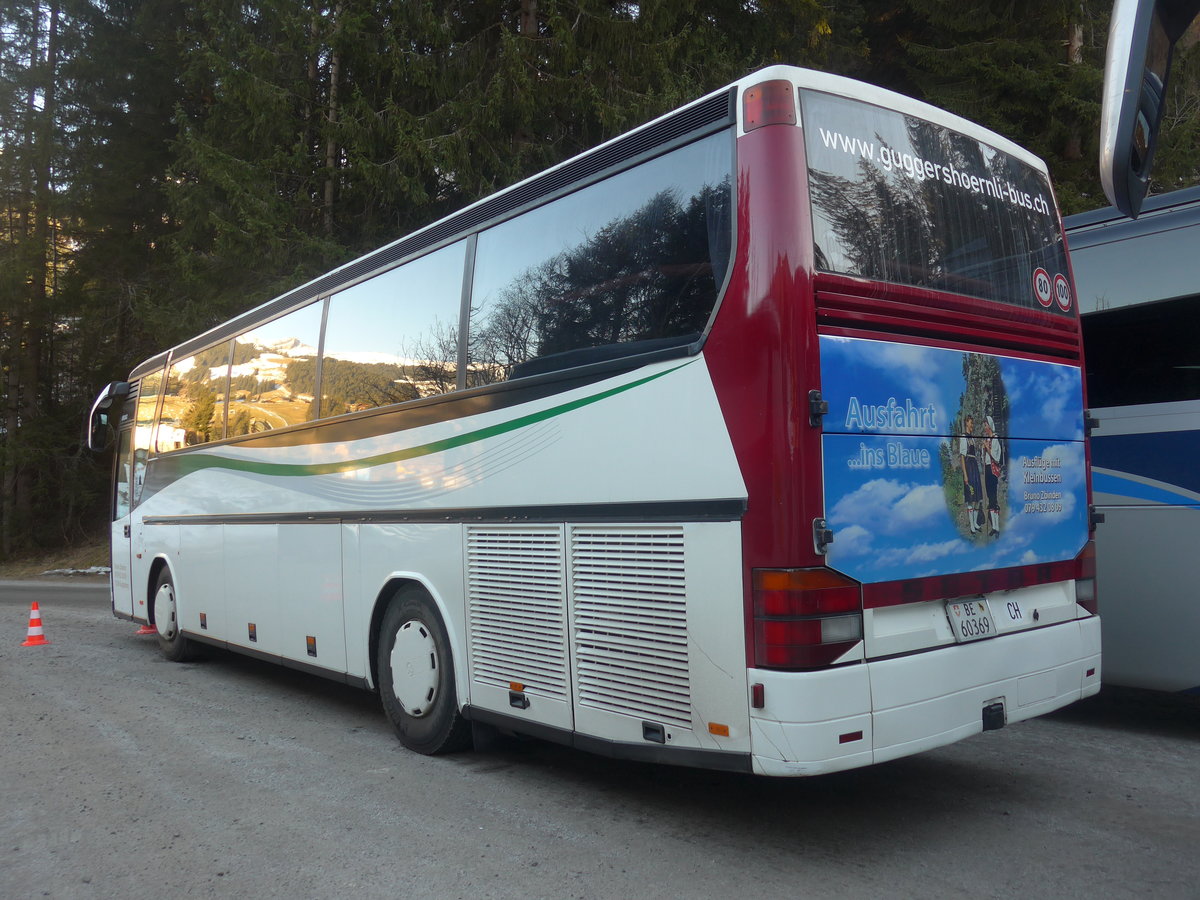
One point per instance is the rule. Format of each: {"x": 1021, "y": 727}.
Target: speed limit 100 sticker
{"x": 1062, "y": 292}
{"x": 1042, "y": 287}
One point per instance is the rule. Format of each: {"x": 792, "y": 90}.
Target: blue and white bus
{"x": 1139, "y": 295}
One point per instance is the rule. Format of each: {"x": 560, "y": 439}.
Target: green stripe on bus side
{"x": 196, "y": 462}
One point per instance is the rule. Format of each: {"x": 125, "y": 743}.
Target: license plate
{"x": 970, "y": 620}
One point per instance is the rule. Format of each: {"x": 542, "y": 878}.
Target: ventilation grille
{"x": 516, "y": 597}
{"x": 630, "y": 622}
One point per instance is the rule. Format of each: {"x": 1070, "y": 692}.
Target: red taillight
{"x": 1085, "y": 578}
{"x": 769, "y": 103}
{"x": 803, "y": 592}
{"x": 804, "y": 618}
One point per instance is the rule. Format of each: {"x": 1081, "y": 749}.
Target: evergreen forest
{"x": 164, "y": 166}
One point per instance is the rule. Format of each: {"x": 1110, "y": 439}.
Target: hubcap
{"x": 164, "y": 612}
{"x": 414, "y": 668}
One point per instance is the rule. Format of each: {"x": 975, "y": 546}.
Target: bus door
{"x": 119, "y": 581}
{"x": 114, "y": 408}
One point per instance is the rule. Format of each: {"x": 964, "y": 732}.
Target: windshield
{"x": 899, "y": 199}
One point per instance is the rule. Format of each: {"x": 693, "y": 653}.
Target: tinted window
{"x": 273, "y": 374}
{"x": 143, "y": 429}
{"x": 628, "y": 264}
{"x": 1145, "y": 354}
{"x": 895, "y": 198}
{"x": 193, "y": 409}
{"x": 121, "y": 493}
{"x": 395, "y": 337}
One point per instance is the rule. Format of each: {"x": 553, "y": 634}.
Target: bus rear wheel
{"x": 416, "y": 676}
{"x": 171, "y": 642}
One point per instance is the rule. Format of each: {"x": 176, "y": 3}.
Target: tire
{"x": 416, "y": 676}
{"x": 171, "y": 642}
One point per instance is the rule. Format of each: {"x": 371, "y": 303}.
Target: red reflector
{"x": 849, "y": 737}
{"x": 758, "y": 696}
{"x": 769, "y": 103}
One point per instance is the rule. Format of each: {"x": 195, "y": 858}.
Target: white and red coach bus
{"x": 752, "y": 439}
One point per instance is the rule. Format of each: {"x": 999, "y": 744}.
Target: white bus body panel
{"x": 120, "y": 583}
{"x": 198, "y": 570}
{"x": 1147, "y": 565}
{"x": 1147, "y": 569}
{"x": 811, "y": 722}
{"x": 310, "y": 595}
{"x": 909, "y": 627}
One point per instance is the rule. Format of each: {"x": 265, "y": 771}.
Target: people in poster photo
{"x": 992, "y": 453}
{"x": 968, "y": 453}
{"x": 979, "y": 451}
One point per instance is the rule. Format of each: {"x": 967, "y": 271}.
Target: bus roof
{"x": 1154, "y": 205}
{"x": 1119, "y": 262}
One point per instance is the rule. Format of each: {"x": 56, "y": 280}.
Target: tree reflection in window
{"x": 640, "y": 280}
{"x": 911, "y": 223}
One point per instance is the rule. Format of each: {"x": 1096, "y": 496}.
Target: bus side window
{"x": 394, "y": 337}
{"x": 143, "y": 429}
{"x": 273, "y": 373}
{"x": 193, "y": 408}
{"x": 1143, "y": 354}
{"x": 637, "y": 257}
{"x": 121, "y": 489}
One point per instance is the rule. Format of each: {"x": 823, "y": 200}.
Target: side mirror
{"x": 97, "y": 429}
{"x": 1141, "y": 36}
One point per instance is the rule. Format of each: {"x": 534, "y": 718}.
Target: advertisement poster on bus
{"x": 940, "y": 461}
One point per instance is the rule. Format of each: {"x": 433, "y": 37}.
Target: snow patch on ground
{"x": 91, "y": 570}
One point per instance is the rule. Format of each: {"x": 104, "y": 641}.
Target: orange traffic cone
{"x": 146, "y": 629}
{"x": 36, "y": 636}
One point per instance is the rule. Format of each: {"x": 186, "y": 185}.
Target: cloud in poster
{"x": 907, "y": 369}
{"x": 921, "y": 553}
{"x": 887, "y": 506}
{"x": 1045, "y": 400}
{"x": 853, "y": 540}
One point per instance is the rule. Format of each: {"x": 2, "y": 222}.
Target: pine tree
{"x": 1028, "y": 70}
{"x": 83, "y": 120}
{"x": 1176, "y": 163}
{"x": 30, "y": 133}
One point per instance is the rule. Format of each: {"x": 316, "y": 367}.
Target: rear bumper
{"x": 817, "y": 722}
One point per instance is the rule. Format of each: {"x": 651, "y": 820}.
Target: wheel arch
{"x": 157, "y": 565}
{"x": 458, "y": 646}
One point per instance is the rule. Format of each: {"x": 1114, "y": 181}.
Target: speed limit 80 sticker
{"x": 1043, "y": 287}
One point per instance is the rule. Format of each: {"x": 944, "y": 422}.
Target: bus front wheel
{"x": 416, "y": 676}
{"x": 171, "y": 642}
